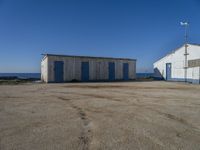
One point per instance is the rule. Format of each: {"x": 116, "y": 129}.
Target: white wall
{"x": 44, "y": 69}
{"x": 177, "y": 59}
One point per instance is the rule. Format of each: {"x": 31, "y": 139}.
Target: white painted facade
{"x": 44, "y": 69}
{"x": 98, "y": 67}
{"x": 177, "y": 60}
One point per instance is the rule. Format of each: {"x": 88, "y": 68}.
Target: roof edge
{"x": 173, "y": 51}
{"x": 59, "y": 55}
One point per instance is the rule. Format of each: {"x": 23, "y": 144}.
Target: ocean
{"x": 21, "y": 75}
{"x": 37, "y": 75}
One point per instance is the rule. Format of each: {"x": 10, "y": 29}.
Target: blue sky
{"x": 141, "y": 29}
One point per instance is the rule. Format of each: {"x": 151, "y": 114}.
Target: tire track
{"x": 86, "y": 133}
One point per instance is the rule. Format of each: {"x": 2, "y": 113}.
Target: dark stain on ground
{"x": 170, "y": 116}
{"x": 178, "y": 134}
{"x": 64, "y": 99}
{"x": 3, "y": 97}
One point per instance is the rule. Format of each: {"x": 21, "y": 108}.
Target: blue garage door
{"x": 85, "y": 71}
{"x": 58, "y": 71}
{"x": 111, "y": 71}
{"x": 168, "y": 71}
{"x": 125, "y": 71}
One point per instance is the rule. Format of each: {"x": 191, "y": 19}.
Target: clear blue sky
{"x": 141, "y": 29}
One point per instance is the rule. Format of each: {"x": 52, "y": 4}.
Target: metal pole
{"x": 186, "y": 53}
{"x": 186, "y": 62}
{"x": 185, "y": 24}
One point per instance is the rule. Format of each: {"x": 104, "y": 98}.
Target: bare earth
{"x": 98, "y": 116}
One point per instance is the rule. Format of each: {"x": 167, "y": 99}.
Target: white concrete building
{"x": 65, "y": 68}
{"x": 180, "y": 65}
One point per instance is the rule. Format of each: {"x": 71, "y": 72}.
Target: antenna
{"x": 185, "y": 25}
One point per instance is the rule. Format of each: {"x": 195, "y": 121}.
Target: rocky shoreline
{"x": 16, "y": 80}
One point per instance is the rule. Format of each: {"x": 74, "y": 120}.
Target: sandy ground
{"x": 98, "y": 116}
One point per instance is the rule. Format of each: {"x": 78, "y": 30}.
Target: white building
{"x": 183, "y": 64}
{"x": 65, "y": 68}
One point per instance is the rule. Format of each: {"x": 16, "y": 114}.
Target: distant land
{"x": 38, "y": 75}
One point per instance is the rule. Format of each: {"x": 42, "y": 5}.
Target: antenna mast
{"x": 185, "y": 25}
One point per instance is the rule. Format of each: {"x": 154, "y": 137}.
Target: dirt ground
{"x": 98, "y": 116}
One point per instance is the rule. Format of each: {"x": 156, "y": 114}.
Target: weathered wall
{"x": 98, "y": 68}
{"x": 44, "y": 69}
{"x": 177, "y": 59}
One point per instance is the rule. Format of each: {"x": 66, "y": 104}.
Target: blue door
{"x": 125, "y": 71}
{"x": 85, "y": 71}
{"x": 58, "y": 71}
{"x": 168, "y": 71}
{"x": 111, "y": 71}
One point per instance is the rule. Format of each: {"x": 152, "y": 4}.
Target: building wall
{"x": 177, "y": 59}
{"x": 196, "y": 75}
{"x": 98, "y": 68}
{"x": 44, "y": 69}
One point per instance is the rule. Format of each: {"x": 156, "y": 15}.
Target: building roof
{"x": 173, "y": 51}
{"x": 92, "y": 57}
